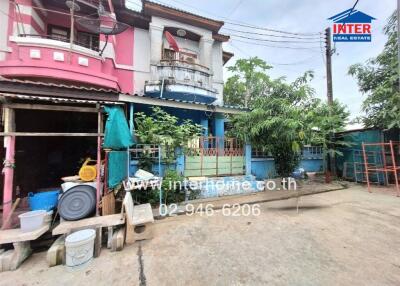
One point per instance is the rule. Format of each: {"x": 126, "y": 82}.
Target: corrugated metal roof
{"x": 58, "y": 99}
{"x": 59, "y": 85}
{"x": 95, "y": 89}
{"x": 211, "y": 106}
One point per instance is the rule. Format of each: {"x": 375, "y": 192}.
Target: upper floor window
{"x": 188, "y": 56}
{"x": 84, "y": 39}
{"x": 59, "y": 33}
{"x": 88, "y": 40}
{"x": 183, "y": 55}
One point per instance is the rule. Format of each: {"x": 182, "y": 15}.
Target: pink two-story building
{"x": 60, "y": 61}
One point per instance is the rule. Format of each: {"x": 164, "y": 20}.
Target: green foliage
{"x": 285, "y": 116}
{"x": 324, "y": 121}
{"x": 276, "y": 122}
{"x": 145, "y": 160}
{"x": 234, "y": 91}
{"x": 248, "y": 82}
{"x": 149, "y": 195}
{"x": 172, "y": 190}
{"x": 378, "y": 79}
{"x": 172, "y": 187}
{"x": 164, "y": 129}
{"x": 274, "y": 127}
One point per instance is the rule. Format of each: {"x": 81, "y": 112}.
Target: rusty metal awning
{"x": 57, "y": 99}
{"x": 41, "y": 89}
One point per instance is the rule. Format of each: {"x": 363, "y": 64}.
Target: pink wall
{"x": 124, "y": 56}
{"x": 109, "y": 73}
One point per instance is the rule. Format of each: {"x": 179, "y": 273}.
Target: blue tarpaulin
{"x": 117, "y": 134}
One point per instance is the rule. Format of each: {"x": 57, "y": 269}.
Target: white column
{"x": 156, "y": 36}
{"x": 206, "y": 52}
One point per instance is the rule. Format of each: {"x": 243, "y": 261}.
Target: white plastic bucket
{"x": 79, "y": 248}
{"x": 68, "y": 185}
{"x": 32, "y": 220}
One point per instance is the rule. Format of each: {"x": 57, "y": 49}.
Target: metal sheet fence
{"x": 214, "y": 156}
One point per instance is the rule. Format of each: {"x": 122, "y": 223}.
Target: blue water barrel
{"x": 43, "y": 201}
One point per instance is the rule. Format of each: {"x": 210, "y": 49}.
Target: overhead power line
{"x": 235, "y": 8}
{"x": 273, "y": 35}
{"x": 314, "y": 48}
{"x": 239, "y": 49}
{"x": 352, "y": 9}
{"x": 271, "y": 30}
{"x": 274, "y": 41}
{"x": 237, "y": 23}
{"x": 294, "y": 63}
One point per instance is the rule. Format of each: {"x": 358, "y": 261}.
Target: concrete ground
{"x": 347, "y": 237}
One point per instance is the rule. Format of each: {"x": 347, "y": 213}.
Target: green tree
{"x": 284, "y": 116}
{"x": 164, "y": 129}
{"x": 323, "y": 121}
{"x": 234, "y": 91}
{"x": 248, "y": 81}
{"x": 378, "y": 79}
{"x": 276, "y": 122}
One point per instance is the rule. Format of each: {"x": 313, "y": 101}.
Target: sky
{"x": 306, "y": 16}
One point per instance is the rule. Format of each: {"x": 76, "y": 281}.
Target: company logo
{"x": 352, "y": 26}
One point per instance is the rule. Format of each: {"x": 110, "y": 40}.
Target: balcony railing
{"x": 187, "y": 59}
{"x": 62, "y": 39}
{"x": 179, "y": 71}
{"x": 187, "y": 64}
{"x": 48, "y": 56}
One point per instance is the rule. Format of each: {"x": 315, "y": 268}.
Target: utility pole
{"x": 329, "y": 65}
{"x": 331, "y": 157}
{"x": 398, "y": 40}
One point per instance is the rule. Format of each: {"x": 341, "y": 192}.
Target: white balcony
{"x": 183, "y": 80}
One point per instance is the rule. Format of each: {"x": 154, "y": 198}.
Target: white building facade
{"x": 195, "y": 72}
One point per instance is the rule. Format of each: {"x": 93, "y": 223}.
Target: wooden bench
{"x": 101, "y": 221}
{"x": 12, "y": 259}
{"x": 139, "y": 220}
{"x": 56, "y": 253}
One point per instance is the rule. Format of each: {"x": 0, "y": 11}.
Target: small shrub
{"x": 172, "y": 187}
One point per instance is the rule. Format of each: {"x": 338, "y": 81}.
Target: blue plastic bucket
{"x": 43, "y": 201}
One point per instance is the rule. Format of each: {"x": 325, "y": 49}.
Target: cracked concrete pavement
{"x": 347, "y": 237}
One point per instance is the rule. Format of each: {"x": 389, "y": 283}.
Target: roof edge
{"x": 156, "y": 9}
{"x": 221, "y": 37}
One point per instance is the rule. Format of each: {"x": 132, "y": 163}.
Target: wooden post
{"x": 8, "y": 219}
{"x": 398, "y": 42}
{"x": 394, "y": 168}
{"x": 71, "y": 36}
{"x": 98, "y": 163}
{"x": 366, "y": 166}
{"x": 384, "y": 164}
{"x": 8, "y": 169}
